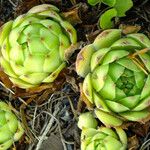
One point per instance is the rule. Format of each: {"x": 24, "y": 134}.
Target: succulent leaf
{"x": 106, "y": 19}
{"x": 94, "y": 2}
{"x": 86, "y": 120}
{"x": 122, "y": 7}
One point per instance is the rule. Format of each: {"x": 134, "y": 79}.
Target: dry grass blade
{"x": 48, "y": 118}
{"x": 146, "y": 143}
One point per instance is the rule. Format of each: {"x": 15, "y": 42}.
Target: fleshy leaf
{"x": 83, "y": 60}
{"x": 122, "y": 6}
{"x": 106, "y": 38}
{"x": 87, "y": 88}
{"x": 98, "y": 77}
{"x": 135, "y": 115}
{"x": 87, "y": 120}
{"x": 116, "y": 107}
{"x": 108, "y": 119}
{"x": 109, "y": 89}
{"x": 110, "y": 3}
{"x": 94, "y": 2}
{"x": 106, "y": 19}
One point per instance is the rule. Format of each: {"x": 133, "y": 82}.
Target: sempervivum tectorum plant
{"x": 34, "y": 46}
{"x": 116, "y": 69}
{"x": 103, "y": 139}
{"x": 10, "y": 127}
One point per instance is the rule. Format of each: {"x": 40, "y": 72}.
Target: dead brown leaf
{"x": 5, "y": 80}
{"x": 141, "y": 129}
{"x": 127, "y": 29}
{"x": 1, "y": 23}
{"x": 91, "y": 37}
{"x": 71, "y": 80}
{"x": 69, "y": 51}
{"x": 24, "y": 118}
{"x": 84, "y": 99}
{"x": 73, "y": 15}
{"x": 40, "y": 99}
{"x": 133, "y": 143}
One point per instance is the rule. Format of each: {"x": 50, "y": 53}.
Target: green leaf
{"x": 110, "y": 3}
{"x": 87, "y": 120}
{"x": 112, "y": 143}
{"x": 99, "y": 76}
{"x": 106, "y": 38}
{"x": 83, "y": 60}
{"x": 135, "y": 115}
{"x": 146, "y": 90}
{"x": 87, "y": 88}
{"x": 122, "y": 6}
{"x": 108, "y": 91}
{"x": 116, "y": 107}
{"x": 107, "y": 118}
{"x": 106, "y": 17}
{"x": 94, "y": 2}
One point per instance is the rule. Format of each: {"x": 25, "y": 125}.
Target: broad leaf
{"x": 106, "y": 19}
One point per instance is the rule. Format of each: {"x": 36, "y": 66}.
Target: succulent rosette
{"x": 103, "y": 139}
{"x": 10, "y": 127}
{"x": 116, "y": 69}
{"x": 34, "y": 46}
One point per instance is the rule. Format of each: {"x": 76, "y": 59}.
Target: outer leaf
{"x": 110, "y": 3}
{"x": 122, "y": 6}
{"x": 94, "y": 2}
{"x": 107, "y": 38}
{"x": 87, "y": 88}
{"x": 83, "y": 60}
{"x": 86, "y": 120}
{"x": 4, "y": 31}
{"x": 108, "y": 119}
{"x": 106, "y": 19}
{"x": 41, "y": 8}
{"x": 142, "y": 39}
{"x": 135, "y": 115}
{"x": 122, "y": 136}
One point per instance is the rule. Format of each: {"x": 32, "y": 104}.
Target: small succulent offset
{"x": 34, "y": 46}
{"x": 118, "y": 8}
{"x": 116, "y": 69}
{"x": 10, "y": 128}
{"x": 103, "y": 139}
{"x": 86, "y": 120}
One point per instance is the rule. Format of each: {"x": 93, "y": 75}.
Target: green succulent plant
{"x": 10, "y": 128}
{"x": 116, "y": 69}
{"x": 86, "y": 120}
{"x": 103, "y": 139}
{"x": 118, "y": 8}
{"x": 34, "y": 46}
